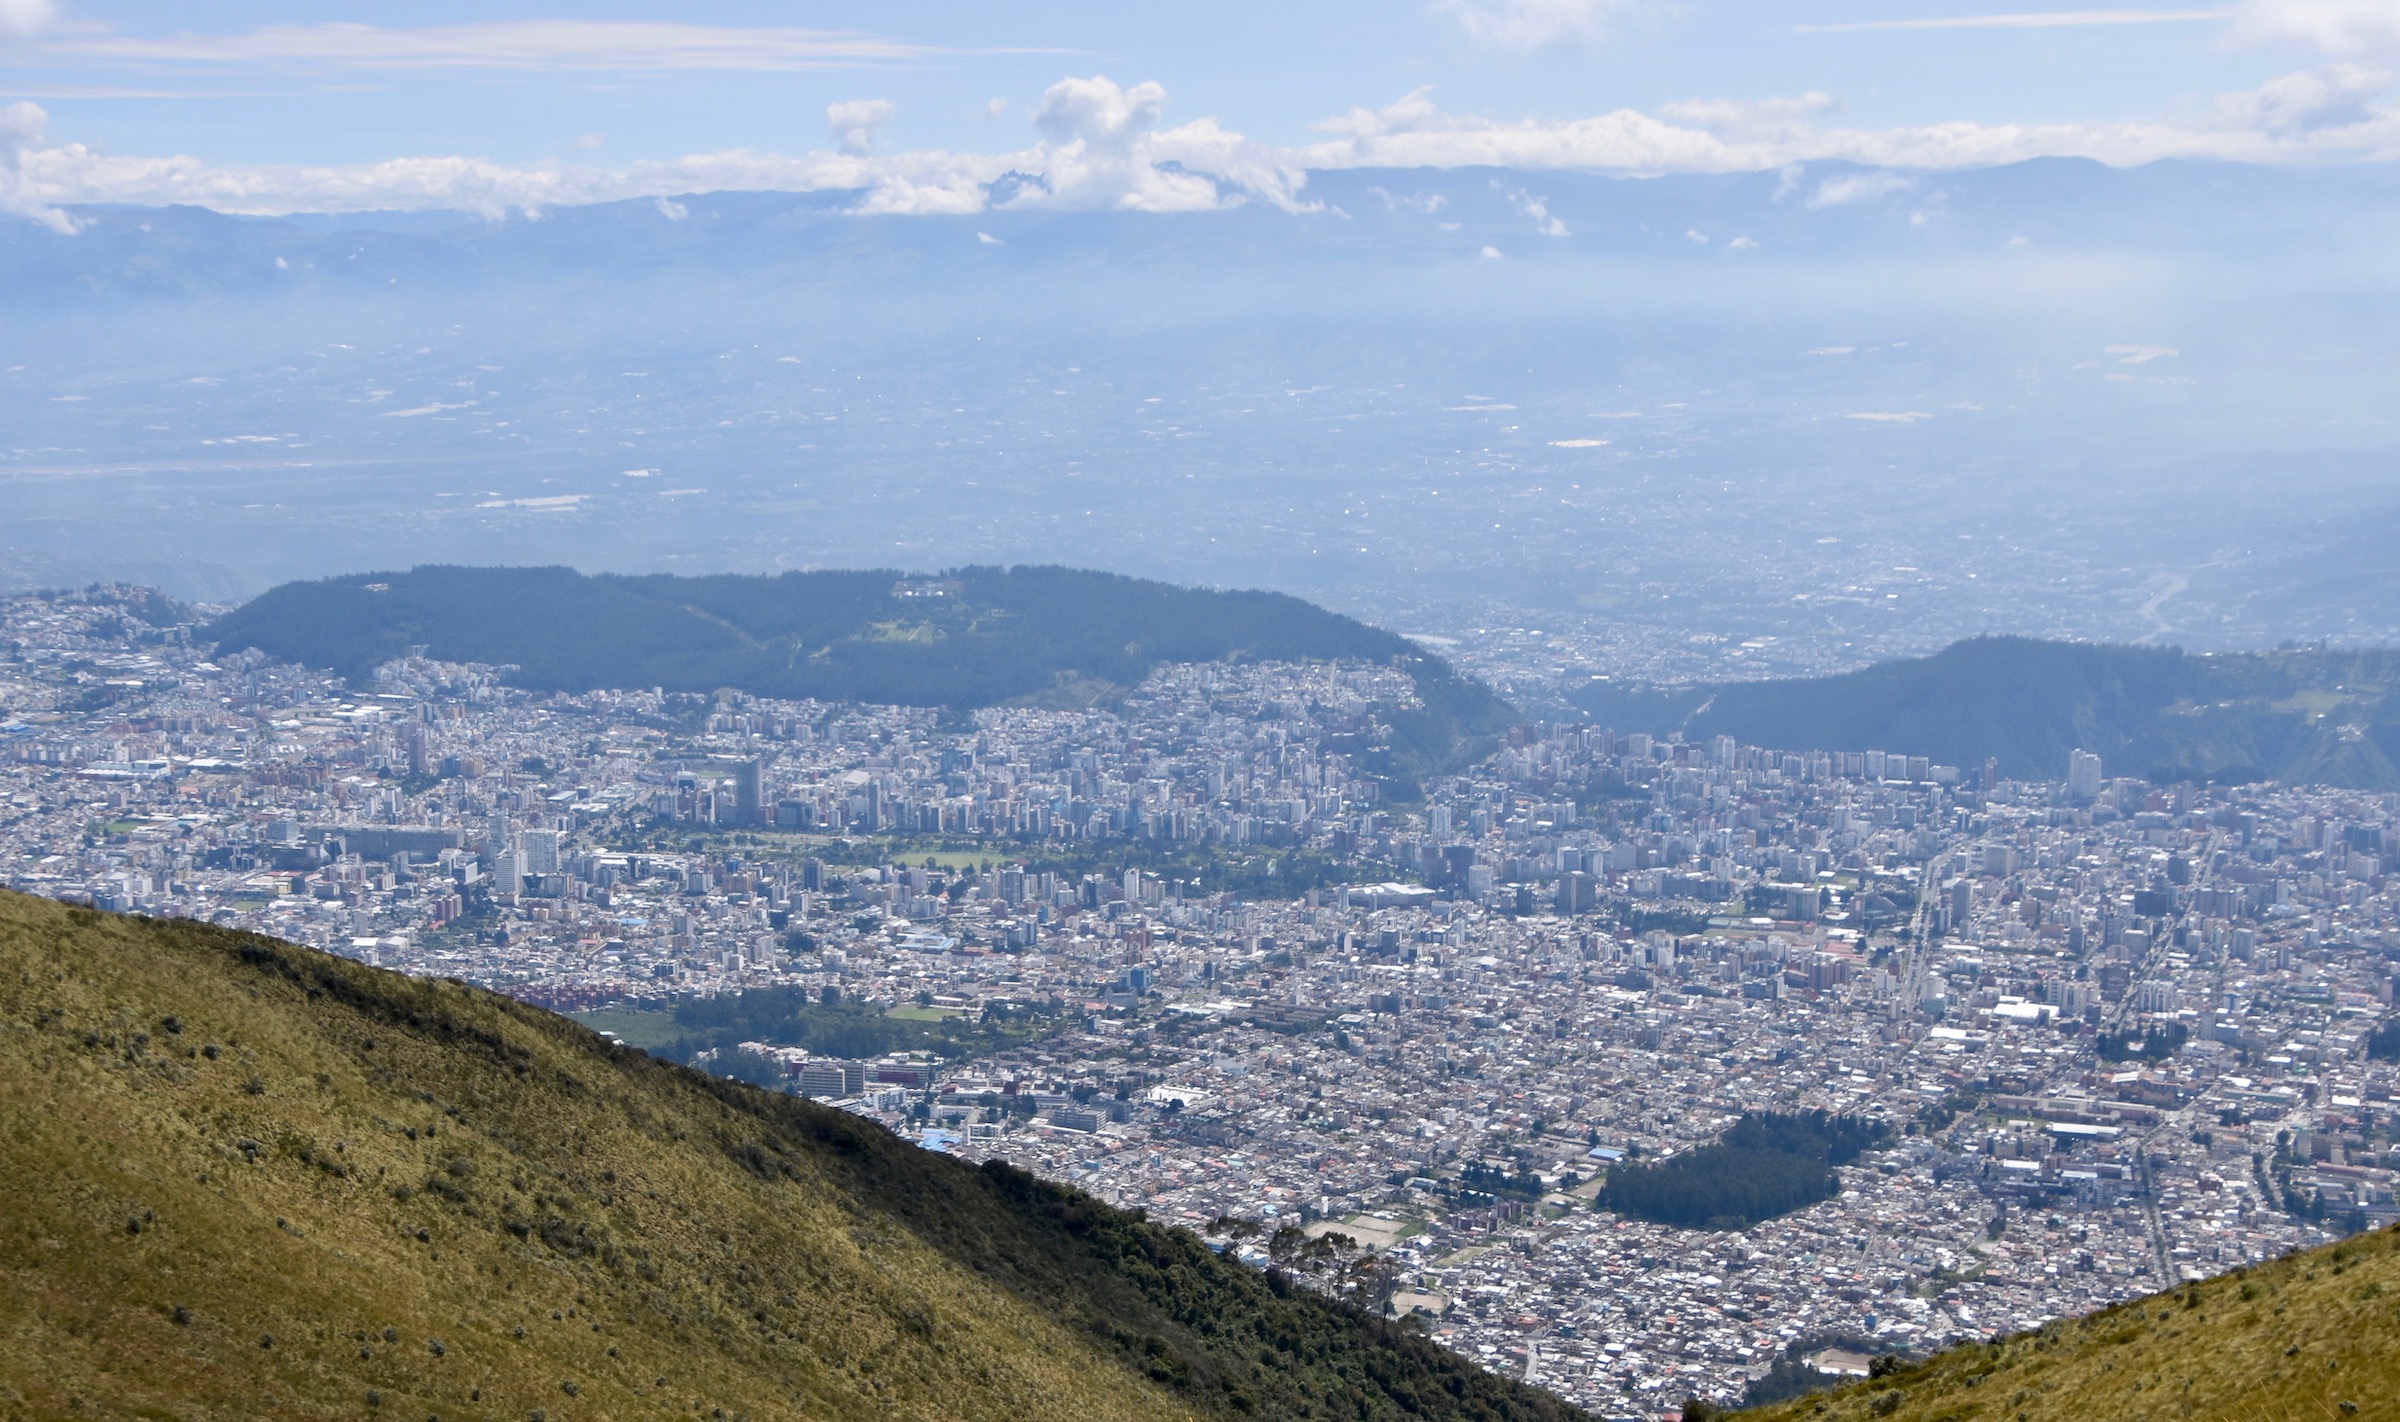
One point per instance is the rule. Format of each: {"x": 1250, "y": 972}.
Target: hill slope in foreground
{"x": 2330, "y": 718}
{"x": 244, "y": 1179}
{"x": 2309, "y": 1336}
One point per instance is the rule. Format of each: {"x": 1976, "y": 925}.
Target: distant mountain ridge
{"x": 968, "y": 638}
{"x": 2322, "y": 717}
{"x": 246, "y": 1179}
{"x": 180, "y": 250}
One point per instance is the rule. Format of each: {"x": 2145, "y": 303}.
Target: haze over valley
{"x": 1614, "y": 425}
{"x": 1571, "y": 710}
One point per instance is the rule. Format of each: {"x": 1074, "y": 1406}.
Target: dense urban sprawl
{"x": 1191, "y": 954}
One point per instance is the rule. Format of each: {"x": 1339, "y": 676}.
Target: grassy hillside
{"x": 975, "y": 637}
{"x": 243, "y": 1179}
{"x": 2313, "y": 1336}
{"x": 2329, "y": 717}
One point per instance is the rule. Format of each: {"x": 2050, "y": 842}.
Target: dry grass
{"x": 2313, "y": 1337}
{"x": 297, "y": 1188}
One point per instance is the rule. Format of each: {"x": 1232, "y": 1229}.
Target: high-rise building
{"x": 2083, "y": 775}
{"x": 747, "y": 803}
{"x": 541, "y": 851}
{"x": 508, "y": 869}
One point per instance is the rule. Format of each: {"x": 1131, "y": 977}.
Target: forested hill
{"x": 245, "y": 1179}
{"x": 2327, "y": 717}
{"x": 971, "y": 638}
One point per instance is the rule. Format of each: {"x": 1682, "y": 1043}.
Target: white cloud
{"x": 2337, "y": 26}
{"x": 2141, "y": 355}
{"x": 1846, "y": 188}
{"x": 670, "y": 210}
{"x": 1543, "y": 221}
{"x": 1103, "y": 148}
{"x": 2339, "y": 96}
{"x": 19, "y": 18}
{"x": 1536, "y": 24}
{"x": 2022, "y": 20}
{"x": 555, "y": 45}
{"x": 21, "y": 127}
{"x": 2341, "y": 114}
{"x": 1890, "y": 417}
{"x": 1750, "y": 118}
{"x": 1096, "y": 111}
{"x": 1409, "y": 113}
{"x": 1742, "y": 244}
{"x": 854, "y": 124}
{"x": 1424, "y": 204}
{"x": 1101, "y": 145}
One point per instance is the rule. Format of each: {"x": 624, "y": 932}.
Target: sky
{"x": 930, "y": 105}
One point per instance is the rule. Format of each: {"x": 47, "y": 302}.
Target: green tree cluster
{"x": 1768, "y": 1163}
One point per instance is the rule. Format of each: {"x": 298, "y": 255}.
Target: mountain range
{"x": 2327, "y": 717}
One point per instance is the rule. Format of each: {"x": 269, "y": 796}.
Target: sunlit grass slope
{"x": 2309, "y": 1337}
{"x": 242, "y": 1179}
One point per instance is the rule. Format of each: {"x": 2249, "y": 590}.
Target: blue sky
{"x": 273, "y": 106}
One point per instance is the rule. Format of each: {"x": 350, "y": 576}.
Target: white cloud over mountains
{"x": 2341, "y": 113}
{"x": 1847, "y": 188}
{"x": 21, "y": 127}
{"x": 1102, "y": 145}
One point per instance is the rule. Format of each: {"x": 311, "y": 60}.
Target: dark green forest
{"x": 970, "y": 638}
{"x": 2154, "y": 712}
{"x": 1766, "y": 1164}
